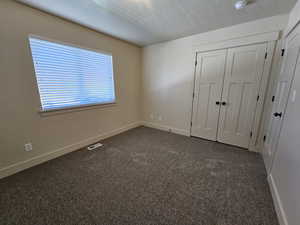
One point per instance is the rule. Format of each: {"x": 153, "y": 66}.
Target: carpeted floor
{"x": 142, "y": 177}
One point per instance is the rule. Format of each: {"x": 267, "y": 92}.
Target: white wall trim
{"x": 277, "y": 202}
{"x": 166, "y": 128}
{"x": 254, "y": 148}
{"x": 246, "y": 40}
{"x": 17, "y": 167}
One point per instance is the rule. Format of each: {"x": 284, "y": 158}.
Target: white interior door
{"x": 210, "y": 72}
{"x": 280, "y": 100}
{"x": 244, "y": 70}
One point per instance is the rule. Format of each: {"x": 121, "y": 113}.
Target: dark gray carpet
{"x": 146, "y": 177}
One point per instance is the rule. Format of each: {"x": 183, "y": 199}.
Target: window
{"x": 69, "y": 76}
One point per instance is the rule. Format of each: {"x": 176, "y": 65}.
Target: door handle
{"x": 224, "y": 103}
{"x": 276, "y": 114}
{"x": 217, "y": 103}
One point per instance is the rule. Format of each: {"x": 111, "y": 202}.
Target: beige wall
{"x": 168, "y": 73}
{"x": 20, "y": 121}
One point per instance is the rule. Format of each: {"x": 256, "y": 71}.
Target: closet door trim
{"x": 257, "y": 138}
{"x": 236, "y": 42}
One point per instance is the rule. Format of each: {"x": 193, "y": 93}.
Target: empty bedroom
{"x": 149, "y": 112}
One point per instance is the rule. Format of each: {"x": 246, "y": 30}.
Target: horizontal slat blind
{"x": 68, "y": 76}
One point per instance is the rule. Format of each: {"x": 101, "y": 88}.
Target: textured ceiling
{"x": 145, "y": 22}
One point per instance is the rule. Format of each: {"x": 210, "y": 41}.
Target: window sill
{"x": 75, "y": 109}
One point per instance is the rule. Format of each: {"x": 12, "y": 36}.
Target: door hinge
{"x": 193, "y": 94}
{"x": 257, "y": 98}
{"x": 196, "y": 62}
{"x": 265, "y": 137}
{"x": 251, "y": 134}
{"x": 273, "y": 98}
{"x": 266, "y": 55}
{"x": 282, "y": 52}
{"x": 191, "y": 124}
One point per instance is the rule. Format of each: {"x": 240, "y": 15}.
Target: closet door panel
{"x": 244, "y": 69}
{"x": 210, "y": 72}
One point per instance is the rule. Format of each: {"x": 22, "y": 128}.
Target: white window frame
{"x": 70, "y": 108}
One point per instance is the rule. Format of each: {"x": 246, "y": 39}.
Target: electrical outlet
{"x": 28, "y": 147}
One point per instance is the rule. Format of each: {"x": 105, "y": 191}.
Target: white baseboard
{"x": 255, "y": 148}
{"x": 166, "y": 128}
{"x": 17, "y": 167}
{"x": 277, "y": 202}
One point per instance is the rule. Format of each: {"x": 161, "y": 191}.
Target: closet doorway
{"x": 226, "y": 94}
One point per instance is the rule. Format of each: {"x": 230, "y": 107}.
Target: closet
{"x": 226, "y": 93}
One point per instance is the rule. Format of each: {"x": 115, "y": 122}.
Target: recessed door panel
{"x": 210, "y": 72}
{"x": 244, "y": 70}
{"x": 238, "y": 94}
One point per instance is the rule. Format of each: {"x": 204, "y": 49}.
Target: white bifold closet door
{"x": 244, "y": 71}
{"x": 208, "y": 90}
{"x": 235, "y": 74}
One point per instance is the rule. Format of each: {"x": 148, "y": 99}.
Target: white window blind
{"x": 69, "y": 76}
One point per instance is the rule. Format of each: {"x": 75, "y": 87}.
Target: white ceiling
{"x": 145, "y": 22}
